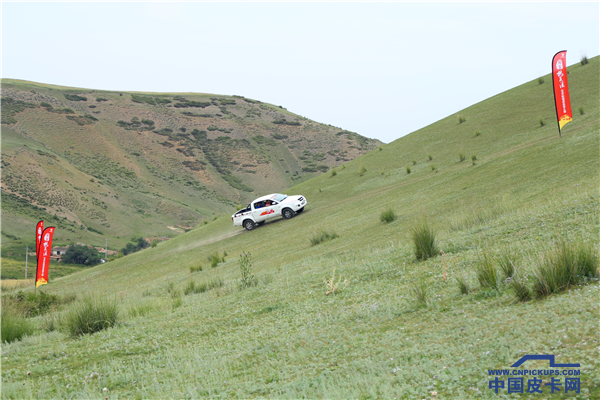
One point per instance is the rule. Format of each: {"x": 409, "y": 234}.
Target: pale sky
{"x": 382, "y": 70}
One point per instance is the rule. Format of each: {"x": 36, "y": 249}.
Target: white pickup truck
{"x": 266, "y": 207}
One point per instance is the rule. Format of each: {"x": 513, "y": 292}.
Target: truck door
{"x": 276, "y": 207}
{"x": 259, "y": 211}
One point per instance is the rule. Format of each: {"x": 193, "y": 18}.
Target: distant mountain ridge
{"x": 120, "y": 163}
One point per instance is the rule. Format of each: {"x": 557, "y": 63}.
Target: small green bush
{"x": 92, "y": 314}
{"x": 568, "y": 264}
{"x": 419, "y": 291}
{"x": 322, "y": 236}
{"x": 540, "y": 80}
{"x": 461, "y": 119}
{"x": 423, "y": 237}
{"x": 216, "y": 258}
{"x": 520, "y": 289}
{"x": 473, "y": 159}
{"x": 584, "y": 60}
{"x": 247, "y": 279}
{"x": 362, "y": 170}
{"x": 74, "y": 97}
{"x": 333, "y": 173}
{"x": 477, "y": 133}
{"x": 31, "y": 304}
{"x": 14, "y": 327}
{"x": 463, "y": 284}
{"x": 487, "y": 274}
{"x": 387, "y": 216}
{"x": 140, "y": 309}
{"x": 177, "y": 302}
{"x": 461, "y": 157}
{"x": 195, "y": 268}
{"x": 407, "y": 169}
{"x": 542, "y": 123}
{"x": 581, "y": 112}
{"x": 192, "y": 288}
{"x": 430, "y": 157}
{"x": 507, "y": 264}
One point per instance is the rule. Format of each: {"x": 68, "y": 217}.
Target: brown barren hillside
{"x": 120, "y": 164}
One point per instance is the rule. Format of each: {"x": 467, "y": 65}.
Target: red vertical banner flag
{"x": 39, "y": 229}
{"x": 44, "y": 257}
{"x": 561, "y": 89}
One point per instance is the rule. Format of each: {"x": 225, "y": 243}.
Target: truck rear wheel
{"x": 249, "y": 224}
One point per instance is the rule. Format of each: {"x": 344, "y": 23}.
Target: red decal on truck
{"x": 267, "y": 212}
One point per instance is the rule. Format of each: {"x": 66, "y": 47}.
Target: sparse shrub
{"x": 266, "y": 279}
{"x": 540, "y": 80}
{"x": 423, "y": 237}
{"x": 322, "y": 236}
{"x": 473, "y": 159}
{"x": 333, "y": 173}
{"x": 74, "y": 97}
{"x": 92, "y": 314}
{"x": 430, "y": 157}
{"x": 52, "y": 322}
{"x": 507, "y": 264}
{"x": 520, "y": 289}
{"x": 584, "y": 60}
{"x": 461, "y": 119}
{"x": 407, "y": 169}
{"x": 581, "y": 111}
{"x": 30, "y": 304}
{"x": 177, "y": 302}
{"x": 434, "y": 168}
{"x": 14, "y": 327}
{"x": 419, "y": 290}
{"x": 414, "y": 162}
{"x": 140, "y": 309}
{"x": 487, "y": 274}
{"x": 215, "y": 258}
{"x": 542, "y": 123}
{"x": 195, "y": 268}
{"x": 191, "y": 288}
{"x": 247, "y": 279}
{"x": 335, "y": 285}
{"x": 567, "y": 265}
{"x": 362, "y": 170}
{"x": 463, "y": 284}
{"x": 387, "y": 216}
{"x": 477, "y": 133}
{"x": 461, "y": 157}
{"x": 215, "y": 283}
{"x": 380, "y": 148}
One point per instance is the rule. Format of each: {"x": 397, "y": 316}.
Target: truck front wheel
{"x": 249, "y": 224}
{"x": 287, "y": 213}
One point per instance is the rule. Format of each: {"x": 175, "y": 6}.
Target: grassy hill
{"x": 492, "y": 181}
{"x": 100, "y": 164}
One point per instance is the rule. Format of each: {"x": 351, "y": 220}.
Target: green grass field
{"x": 372, "y": 336}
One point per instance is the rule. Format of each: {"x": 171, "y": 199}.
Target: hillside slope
{"x": 525, "y": 191}
{"x": 119, "y": 164}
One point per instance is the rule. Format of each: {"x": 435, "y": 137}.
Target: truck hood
{"x": 291, "y": 199}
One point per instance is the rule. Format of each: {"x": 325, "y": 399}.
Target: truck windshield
{"x": 279, "y": 197}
